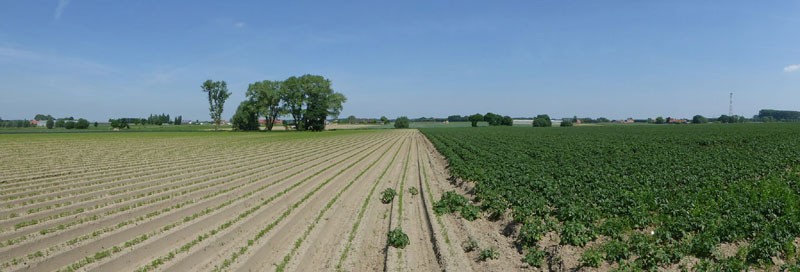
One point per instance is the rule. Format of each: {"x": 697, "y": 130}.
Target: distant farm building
{"x": 677, "y": 121}
{"x": 263, "y": 122}
{"x": 522, "y": 122}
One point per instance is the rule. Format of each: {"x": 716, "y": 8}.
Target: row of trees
{"x": 308, "y": 99}
{"x": 153, "y": 119}
{"x": 352, "y": 120}
{"x": 491, "y": 118}
{"x": 68, "y": 123}
{"x": 15, "y": 124}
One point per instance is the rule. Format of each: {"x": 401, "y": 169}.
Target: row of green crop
{"x": 692, "y": 187}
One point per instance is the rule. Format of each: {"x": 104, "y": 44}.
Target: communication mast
{"x": 730, "y": 106}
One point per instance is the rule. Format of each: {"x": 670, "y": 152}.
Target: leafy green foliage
{"x": 699, "y": 119}
{"x": 470, "y": 212}
{"x": 475, "y": 118}
{"x": 576, "y": 234}
{"x": 488, "y": 254}
{"x": 531, "y": 233}
{"x": 217, "y": 94}
{"x": 542, "y": 120}
{"x": 265, "y": 98}
{"x": 388, "y": 195}
{"x": 658, "y": 193}
{"x": 310, "y": 99}
{"x": 398, "y": 238}
{"x": 566, "y": 123}
{"x": 246, "y": 117}
{"x": 449, "y": 203}
{"x": 452, "y": 202}
{"x": 591, "y": 258}
{"x": 413, "y": 190}
{"x": 470, "y": 245}
{"x": 534, "y": 257}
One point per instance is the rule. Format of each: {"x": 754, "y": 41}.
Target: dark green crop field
{"x": 640, "y": 197}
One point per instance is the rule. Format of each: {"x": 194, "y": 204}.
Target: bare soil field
{"x": 231, "y": 201}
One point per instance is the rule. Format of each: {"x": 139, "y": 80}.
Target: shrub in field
{"x": 488, "y": 254}
{"x": 398, "y": 238}
{"x": 566, "y": 123}
{"x": 388, "y": 195}
{"x": 413, "y": 190}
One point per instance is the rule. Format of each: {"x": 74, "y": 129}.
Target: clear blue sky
{"x": 101, "y": 59}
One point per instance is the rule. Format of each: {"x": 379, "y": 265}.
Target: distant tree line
{"x": 308, "y": 99}
{"x": 16, "y": 123}
{"x": 50, "y": 122}
{"x": 353, "y": 120}
{"x": 767, "y": 115}
{"x": 153, "y": 119}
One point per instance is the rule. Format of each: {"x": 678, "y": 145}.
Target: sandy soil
{"x": 311, "y": 205}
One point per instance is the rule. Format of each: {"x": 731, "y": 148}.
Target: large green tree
{"x": 82, "y": 124}
{"x": 493, "y": 119}
{"x": 542, "y": 120}
{"x": 217, "y": 94}
{"x": 475, "y": 118}
{"x": 699, "y": 119}
{"x": 266, "y": 98}
{"x": 309, "y": 99}
{"x": 401, "y": 122}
